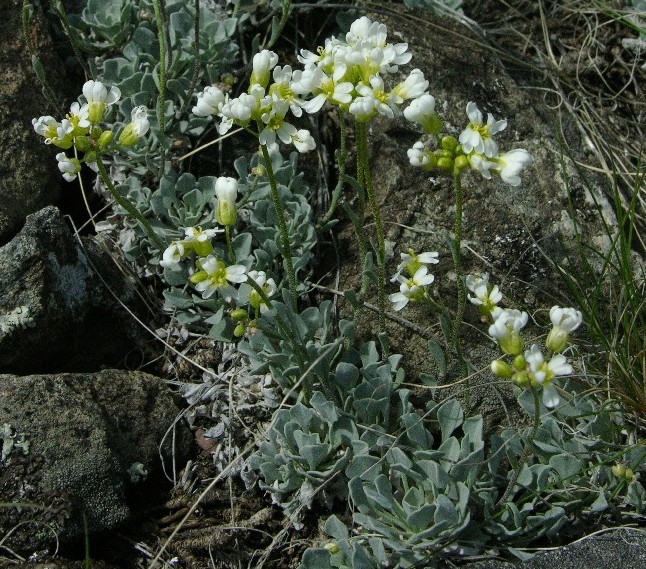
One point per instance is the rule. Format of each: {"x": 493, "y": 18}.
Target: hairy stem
{"x": 227, "y": 233}
{"x": 282, "y": 225}
{"x": 362, "y": 159}
{"x": 340, "y": 158}
{"x": 127, "y": 205}
{"x": 161, "y": 100}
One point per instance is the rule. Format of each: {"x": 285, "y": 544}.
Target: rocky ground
{"x": 95, "y": 434}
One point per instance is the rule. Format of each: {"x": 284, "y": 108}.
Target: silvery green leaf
{"x": 365, "y": 467}
{"x": 422, "y": 518}
{"x": 316, "y": 558}
{"x": 335, "y": 528}
{"x": 600, "y": 504}
{"x": 437, "y": 353}
{"x": 314, "y": 454}
{"x": 566, "y": 465}
{"x": 450, "y": 417}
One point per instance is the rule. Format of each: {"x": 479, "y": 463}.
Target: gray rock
{"x": 29, "y": 178}
{"x": 72, "y": 446}
{"x": 55, "y": 312}
{"x": 625, "y": 548}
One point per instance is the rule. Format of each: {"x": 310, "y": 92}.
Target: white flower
{"x": 281, "y": 89}
{"x": 215, "y": 275}
{"x": 411, "y": 262}
{"x": 268, "y": 286}
{"x": 511, "y": 163}
{"x": 411, "y": 289}
{"x": 486, "y": 296}
{"x": 506, "y": 327}
{"x": 419, "y": 155}
{"x": 98, "y": 98}
{"x": 323, "y": 87}
{"x": 568, "y": 319}
{"x": 172, "y": 256}
{"x": 383, "y": 103}
{"x": 226, "y": 189}
{"x": 209, "y": 102}
{"x": 363, "y": 108}
{"x": 199, "y": 235}
{"x": 275, "y": 125}
{"x": 564, "y": 321}
{"x": 420, "y": 108}
{"x": 263, "y": 62}
{"x": 542, "y": 373}
{"x": 69, "y": 167}
{"x": 477, "y": 136}
{"x": 137, "y": 128}
{"x": 78, "y": 118}
{"x": 303, "y": 141}
{"x": 53, "y": 131}
{"x": 412, "y": 87}
{"x": 479, "y": 163}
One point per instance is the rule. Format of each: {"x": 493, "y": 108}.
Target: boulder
{"x": 82, "y": 445}
{"x": 29, "y": 178}
{"x": 58, "y": 302}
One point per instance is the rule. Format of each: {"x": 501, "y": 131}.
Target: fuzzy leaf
{"x": 450, "y": 417}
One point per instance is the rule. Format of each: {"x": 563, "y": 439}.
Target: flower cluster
{"x": 528, "y": 368}
{"x": 475, "y": 146}
{"x": 81, "y": 130}
{"x": 208, "y": 271}
{"x": 347, "y": 74}
{"x": 413, "y": 278}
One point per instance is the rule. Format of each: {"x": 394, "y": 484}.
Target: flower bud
{"x": 226, "y": 190}
{"x": 239, "y": 314}
{"x": 135, "y": 129}
{"x": 619, "y": 470}
{"x": 512, "y": 344}
{"x": 501, "y": 369}
{"x": 332, "y": 547}
{"x": 520, "y": 363}
{"x": 557, "y": 339}
{"x": 90, "y": 157}
{"x": 629, "y": 475}
{"x": 461, "y": 162}
{"x": 445, "y": 163}
{"x": 95, "y": 111}
{"x": 105, "y": 138}
{"x": 239, "y": 330}
{"x": 449, "y": 143}
{"x": 198, "y": 277}
{"x": 521, "y": 379}
{"x": 82, "y": 143}
{"x": 202, "y": 248}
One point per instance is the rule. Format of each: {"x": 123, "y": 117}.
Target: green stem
{"x": 275, "y": 33}
{"x": 340, "y": 158}
{"x": 362, "y": 157}
{"x": 462, "y": 289}
{"x": 526, "y": 450}
{"x": 161, "y": 100}
{"x": 282, "y": 225}
{"x": 127, "y": 205}
{"x": 227, "y": 233}
{"x": 197, "y": 63}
